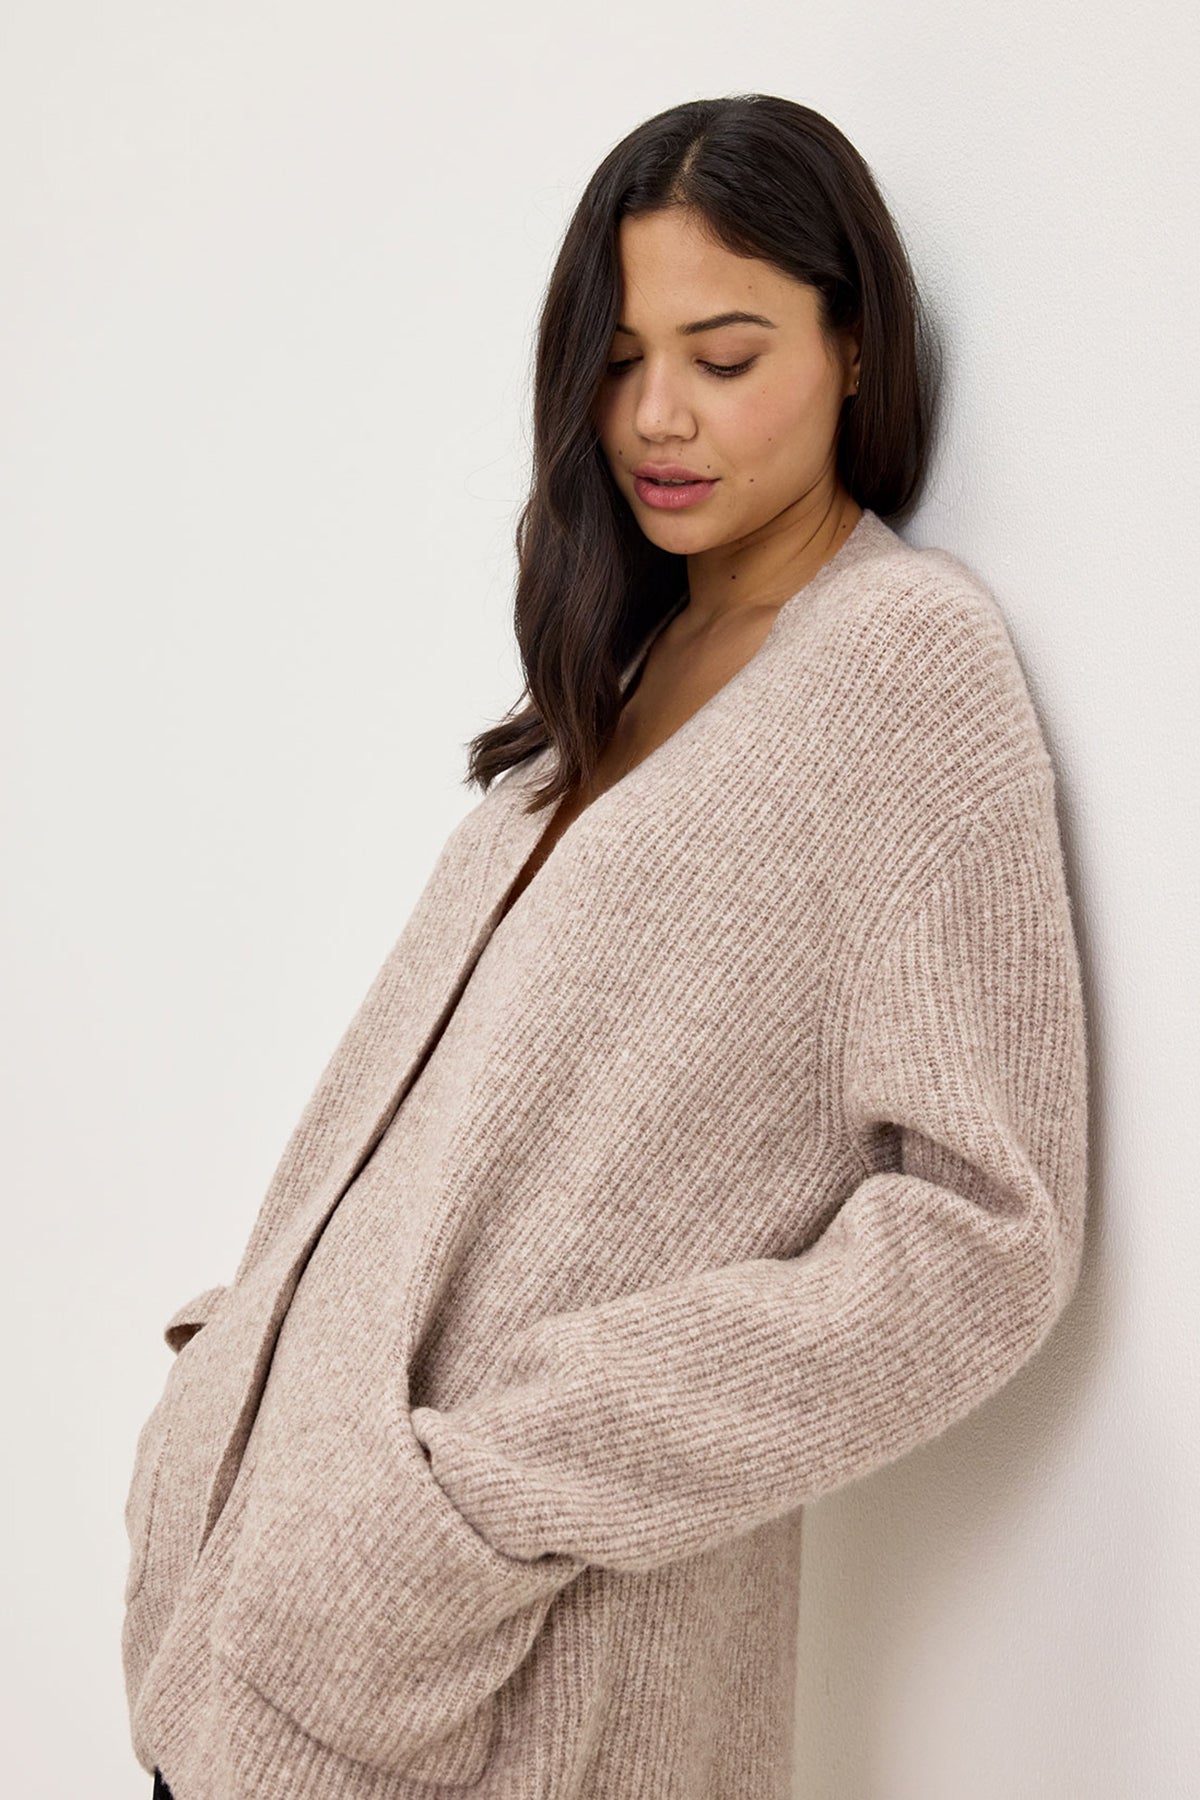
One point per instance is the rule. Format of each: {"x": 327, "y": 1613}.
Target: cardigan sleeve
{"x": 660, "y": 1423}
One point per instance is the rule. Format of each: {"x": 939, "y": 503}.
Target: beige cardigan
{"x": 751, "y": 1154}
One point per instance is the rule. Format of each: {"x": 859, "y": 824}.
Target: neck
{"x": 766, "y": 568}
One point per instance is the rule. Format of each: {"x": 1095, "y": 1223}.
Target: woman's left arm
{"x": 656, "y": 1425}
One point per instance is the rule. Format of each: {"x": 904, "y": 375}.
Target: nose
{"x": 662, "y": 409}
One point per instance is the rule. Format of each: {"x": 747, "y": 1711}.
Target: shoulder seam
{"x": 960, "y": 829}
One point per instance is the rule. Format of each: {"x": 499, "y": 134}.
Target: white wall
{"x": 269, "y": 285}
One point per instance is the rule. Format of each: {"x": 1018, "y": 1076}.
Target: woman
{"x": 715, "y": 1131}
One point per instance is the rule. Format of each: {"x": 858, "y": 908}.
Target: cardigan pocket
{"x": 187, "y": 1320}
{"x": 154, "y": 1437}
{"x": 366, "y": 1610}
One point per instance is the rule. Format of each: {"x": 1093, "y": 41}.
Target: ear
{"x": 853, "y": 361}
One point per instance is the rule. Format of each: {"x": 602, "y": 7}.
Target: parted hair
{"x": 775, "y": 180}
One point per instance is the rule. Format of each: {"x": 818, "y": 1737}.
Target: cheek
{"x": 768, "y": 428}
{"x": 612, "y": 415}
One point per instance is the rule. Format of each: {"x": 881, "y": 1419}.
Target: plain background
{"x": 270, "y": 277}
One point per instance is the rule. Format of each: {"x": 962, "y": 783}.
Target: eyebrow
{"x": 718, "y": 319}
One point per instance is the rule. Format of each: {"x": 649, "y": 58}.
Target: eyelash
{"x": 724, "y": 370}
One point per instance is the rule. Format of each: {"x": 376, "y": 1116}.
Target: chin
{"x": 683, "y": 537}
{"x": 690, "y": 526}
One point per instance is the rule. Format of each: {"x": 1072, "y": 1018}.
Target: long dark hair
{"x": 774, "y": 180}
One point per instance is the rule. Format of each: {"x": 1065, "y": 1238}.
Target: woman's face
{"x": 764, "y": 433}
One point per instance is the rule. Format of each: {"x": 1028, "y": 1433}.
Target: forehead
{"x": 674, "y": 271}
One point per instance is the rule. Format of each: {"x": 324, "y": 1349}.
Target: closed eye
{"x": 721, "y": 369}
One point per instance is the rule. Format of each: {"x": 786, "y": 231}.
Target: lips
{"x": 669, "y": 473}
{"x": 672, "y": 493}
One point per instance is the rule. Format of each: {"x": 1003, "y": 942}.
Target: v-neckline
{"x": 632, "y": 675}
{"x": 861, "y": 530}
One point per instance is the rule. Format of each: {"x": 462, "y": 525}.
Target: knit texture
{"x": 743, "y": 1154}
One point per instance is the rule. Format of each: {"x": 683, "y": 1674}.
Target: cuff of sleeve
{"x": 520, "y": 1515}
{"x": 478, "y": 1489}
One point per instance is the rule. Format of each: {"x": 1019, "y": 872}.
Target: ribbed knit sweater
{"x": 743, "y": 1154}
